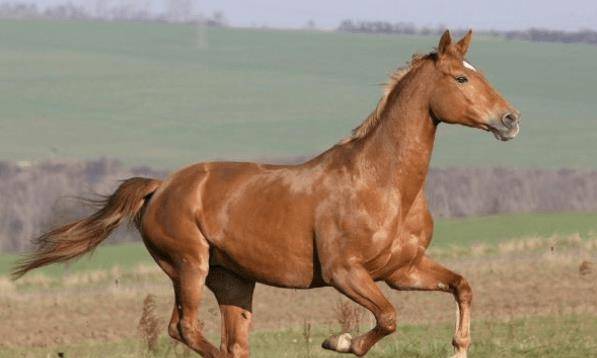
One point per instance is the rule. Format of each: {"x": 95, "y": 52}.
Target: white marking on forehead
{"x": 469, "y": 66}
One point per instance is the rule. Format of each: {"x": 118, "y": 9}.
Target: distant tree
{"x": 217, "y": 20}
{"x": 532, "y": 34}
{"x": 181, "y": 11}
{"x": 310, "y": 25}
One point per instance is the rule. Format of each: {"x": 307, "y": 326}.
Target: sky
{"x": 499, "y": 15}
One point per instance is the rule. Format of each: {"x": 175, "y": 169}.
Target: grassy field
{"x": 529, "y": 301}
{"x": 166, "y": 95}
{"x": 568, "y": 336}
{"x": 490, "y": 230}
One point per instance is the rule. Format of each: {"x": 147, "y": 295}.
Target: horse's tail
{"x": 84, "y": 235}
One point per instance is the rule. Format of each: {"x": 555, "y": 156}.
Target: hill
{"x": 166, "y": 95}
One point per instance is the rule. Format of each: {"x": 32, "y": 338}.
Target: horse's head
{"x": 463, "y": 95}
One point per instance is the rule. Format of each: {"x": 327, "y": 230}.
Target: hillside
{"x": 165, "y": 95}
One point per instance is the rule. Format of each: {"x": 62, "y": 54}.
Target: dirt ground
{"x": 106, "y": 306}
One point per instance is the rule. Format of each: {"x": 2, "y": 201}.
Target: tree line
{"x": 186, "y": 11}
{"x": 176, "y": 11}
{"x": 36, "y": 197}
{"x": 533, "y": 34}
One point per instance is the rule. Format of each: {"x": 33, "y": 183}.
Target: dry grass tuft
{"x": 36, "y": 279}
{"x": 552, "y": 244}
{"x": 307, "y": 337}
{"x": 85, "y": 278}
{"x": 349, "y": 316}
{"x": 149, "y": 324}
{"x": 147, "y": 270}
{"x": 585, "y": 268}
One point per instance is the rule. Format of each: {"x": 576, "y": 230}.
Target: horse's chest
{"x": 373, "y": 230}
{"x": 379, "y": 217}
{"x": 359, "y": 222}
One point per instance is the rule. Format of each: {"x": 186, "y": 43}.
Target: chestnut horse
{"x": 354, "y": 215}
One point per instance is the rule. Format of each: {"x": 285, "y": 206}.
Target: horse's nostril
{"x": 510, "y": 119}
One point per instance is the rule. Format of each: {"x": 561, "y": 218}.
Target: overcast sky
{"x": 501, "y": 14}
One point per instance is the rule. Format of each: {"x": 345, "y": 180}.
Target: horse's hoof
{"x": 339, "y": 343}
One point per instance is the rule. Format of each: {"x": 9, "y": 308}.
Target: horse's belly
{"x": 261, "y": 230}
{"x": 278, "y": 263}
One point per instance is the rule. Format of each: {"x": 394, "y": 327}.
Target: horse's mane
{"x": 375, "y": 117}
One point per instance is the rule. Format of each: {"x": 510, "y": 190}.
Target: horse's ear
{"x": 444, "y": 43}
{"x": 465, "y": 43}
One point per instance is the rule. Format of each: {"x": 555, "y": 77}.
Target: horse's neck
{"x": 399, "y": 149}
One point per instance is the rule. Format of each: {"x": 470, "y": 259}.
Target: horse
{"x": 350, "y": 217}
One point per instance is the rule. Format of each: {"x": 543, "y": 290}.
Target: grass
{"x": 126, "y": 256}
{"x": 489, "y": 230}
{"x": 554, "y": 336}
{"x": 492, "y": 230}
{"x": 166, "y": 95}
{"x": 533, "y": 337}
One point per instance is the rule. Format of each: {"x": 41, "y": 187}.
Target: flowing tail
{"x": 84, "y": 235}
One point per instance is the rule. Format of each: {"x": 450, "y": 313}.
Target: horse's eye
{"x": 461, "y": 79}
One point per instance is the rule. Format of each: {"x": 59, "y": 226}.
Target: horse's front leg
{"x": 355, "y": 282}
{"x": 428, "y": 275}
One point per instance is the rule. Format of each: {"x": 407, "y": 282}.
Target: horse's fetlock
{"x": 235, "y": 350}
{"x": 464, "y": 293}
{"x": 173, "y": 331}
{"x": 187, "y": 329}
{"x": 359, "y": 347}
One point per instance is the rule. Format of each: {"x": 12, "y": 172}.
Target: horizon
{"x": 504, "y": 15}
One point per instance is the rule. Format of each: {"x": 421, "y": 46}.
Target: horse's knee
{"x": 236, "y": 350}
{"x": 463, "y": 291}
{"x": 387, "y": 322}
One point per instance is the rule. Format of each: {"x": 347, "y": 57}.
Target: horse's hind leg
{"x": 428, "y": 275}
{"x": 192, "y": 272}
{"x": 235, "y": 297}
{"x": 188, "y": 267}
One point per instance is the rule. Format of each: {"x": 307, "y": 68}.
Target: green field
{"x": 460, "y": 233}
{"x": 166, "y": 95}
{"x": 569, "y": 336}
